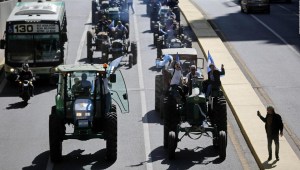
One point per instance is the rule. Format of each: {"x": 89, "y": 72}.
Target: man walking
{"x": 273, "y": 126}
{"x": 129, "y": 3}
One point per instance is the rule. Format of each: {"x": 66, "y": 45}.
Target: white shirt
{"x": 197, "y": 74}
{"x": 176, "y": 77}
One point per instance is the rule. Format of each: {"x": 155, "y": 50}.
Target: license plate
{"x": 83, "y": 123}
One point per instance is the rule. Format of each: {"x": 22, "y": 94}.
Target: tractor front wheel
{"x": 222, "y": 144}
{"x": 111, "y": 136}
{"x": 55, "y": 136}
{"x": 171, "y": 145}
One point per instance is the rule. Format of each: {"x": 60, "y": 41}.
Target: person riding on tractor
{"x": 190, "y": 77}
{"x": 121, "y": 31}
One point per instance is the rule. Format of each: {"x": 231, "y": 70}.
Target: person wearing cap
{"x": 191, "y": 77}
{"x": 274, "y": 128}
{"x": 213, "y": 81}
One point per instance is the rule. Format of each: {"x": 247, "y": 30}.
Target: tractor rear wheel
{"x": 221, "y": 116}
{"x": 111, "y": 136}
{"x": 222, "y": 144}
{"x": 158, "y": 91}
{"x": 134, "y": 52}
{"x": 105, "y": 53}
{"x": 171, "y": 145}
{"x": 55, "y": 136}
{"x": 130, "y": 60}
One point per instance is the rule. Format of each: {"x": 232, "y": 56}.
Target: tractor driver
{"x": 121, "y": 30}
{"x": 190, "y": 77}
{"x": 86, "y": 85}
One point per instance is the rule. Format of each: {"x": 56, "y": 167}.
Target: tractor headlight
{"x": 78, "y": 114}
{"x": 83, "y": 114}
{"x": 12, "y": 70}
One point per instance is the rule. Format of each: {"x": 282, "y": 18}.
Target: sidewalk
{"x": 240, "y": 95}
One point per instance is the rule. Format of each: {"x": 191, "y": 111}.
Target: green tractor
{"x": 84, "y": 100}
{"x": 185, "y": 109}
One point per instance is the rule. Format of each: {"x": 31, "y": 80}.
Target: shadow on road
{"x": 39, "y": 162}
{"x": 185, "y": 158}
{"x": 152, "y": 117}
{"x": 17, "y": 105}
{"x": 75, "y": 160}
{"x": 269, "y": 165}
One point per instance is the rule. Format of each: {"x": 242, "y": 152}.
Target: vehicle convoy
{"x": 185, "y": 109}
{"x": 110, "y": 33}
{"x": 36, "y": 33}
{"x": 84, "y": 100}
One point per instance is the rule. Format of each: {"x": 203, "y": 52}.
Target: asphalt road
{"x": 267, "y": 49}
{"x": 24, "y": 128}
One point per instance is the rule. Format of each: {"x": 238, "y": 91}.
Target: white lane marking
{"x": 143, "y": 100}
{"x": 79, "y": 51}
{"x": 81, "y": 44}
{"x": 288, "y": 10}
{"x": 277, "y": 35}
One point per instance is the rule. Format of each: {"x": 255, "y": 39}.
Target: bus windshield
{"x": 33, "y": 48}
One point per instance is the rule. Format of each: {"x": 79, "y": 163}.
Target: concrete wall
{"x": 5, "y": 9}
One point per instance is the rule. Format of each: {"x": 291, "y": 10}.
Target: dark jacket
{"x": 26, "y": 75}
{"x": 276, "y": 125}
{"x": 217, "y": 74}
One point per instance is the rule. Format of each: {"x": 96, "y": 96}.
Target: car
{"x": 255, "y": 5}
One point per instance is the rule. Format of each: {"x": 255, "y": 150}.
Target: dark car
{"x": 255, "y": 5}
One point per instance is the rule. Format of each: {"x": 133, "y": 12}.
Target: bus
{"x": 36, "y": 33}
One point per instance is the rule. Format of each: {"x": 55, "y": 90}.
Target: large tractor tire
{"x": 221, "y": 111}
{"x": 111, "y": 136}
{"x": 130, "y": 60}
{"x": 94, "y": 9}
{"x": 166, "y": 121}
{"x": 222, "y": 144}
{"x": 89, "y": 39}
{"x": 105, "y": 53}
{"x": 158, "y": 91}
{"x": 215, "y": 139}
{"x": 172, "y": 145}
{"x": 162, "y": 102}
{"x": 134, "y": 52}
{"x": 90, "y": 55}
{"x": 55, "y": 136}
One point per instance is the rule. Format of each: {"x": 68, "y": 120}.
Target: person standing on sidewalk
{"x": 129, "y": 3}
{"x": 274, "y": 127}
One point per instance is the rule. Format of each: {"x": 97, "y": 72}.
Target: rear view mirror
{"x": 125, "y": 97}
{"x": 2, "y": 44}
{"x": 112, "y": 78}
